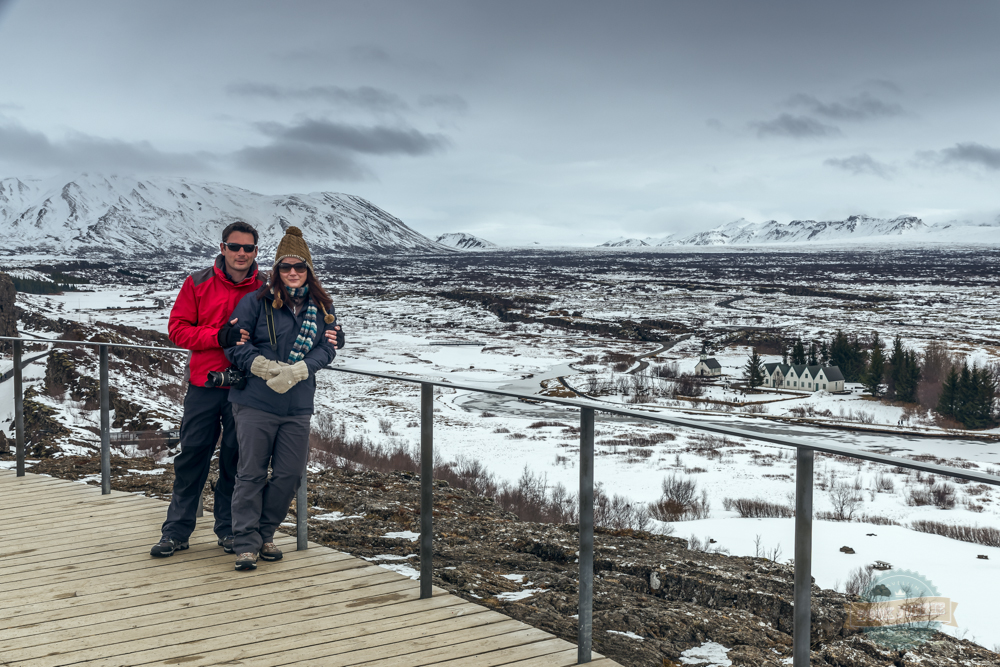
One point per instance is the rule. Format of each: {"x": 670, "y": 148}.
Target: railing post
{"x": 18, "y": 409}
{"x": 426, "y": 488}
{"x": 302, "y": 512}
{"x": 585, "y": 627}
{"x": 802, "y": 618}
{"x": 105, "y": 422}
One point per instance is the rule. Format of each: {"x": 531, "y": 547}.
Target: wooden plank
{"x": 84, "y": 590}
{"x": 109, "y": 590}
{"x": 215, "y": 621}
{"x": 63, "y": 611}
{"x": 118, "y": 563}
{"x": 179, "y": 612}
{"x": 432, "y": 649}
{"x": 186, "y": 643}
{"x": 545, "y": 652}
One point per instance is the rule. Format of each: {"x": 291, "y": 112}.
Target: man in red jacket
{"x": 198, "y": 322}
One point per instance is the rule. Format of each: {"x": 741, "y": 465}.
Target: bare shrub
{"x": 919, "y": 498}
{"x": 860, "y": 581}
{"x": 544, "y": 424}
{"x": 760, "y": 551}
{"x": 619, "y": 513}
{"x": 501, "y": 429}
{"x": 757, "y": 508}
{"x": 385, "y": 425}
{"x": 680, "y": 501}
{"x": 846, "y": 501}
{"x": 987, "y": 536}
{"x": 755, "y": 409}
{"x": 884, "y": 484}
{"x": 943, "y": 496}
{"x": 689, "y": 385}
{"x": 705, "y": 545}
{"x": 667, "y": 370}
{"x": 517, "y": 436}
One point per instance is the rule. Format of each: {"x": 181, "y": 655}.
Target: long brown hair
{"x": 316, "y": 291}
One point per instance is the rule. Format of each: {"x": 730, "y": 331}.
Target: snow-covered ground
{"x": 398, "y": 328}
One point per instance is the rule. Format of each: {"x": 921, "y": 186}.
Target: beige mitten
{"x": 288, "y": 377}
{"x": 264, "y": 368}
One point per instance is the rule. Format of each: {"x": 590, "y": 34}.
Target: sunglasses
{"x": 235, "y": 247}
{"x": 285, "y": 267}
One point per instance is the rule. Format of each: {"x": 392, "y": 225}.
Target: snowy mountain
{"x": 622, "y": 242}
{"x": 742, "y": 232}
{"x": 463, "y": 241}
{"x": 93, "y": 213}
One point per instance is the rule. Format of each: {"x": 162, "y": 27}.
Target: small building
{"x": 803, "y": 378}
{"x": 708, "y": 367}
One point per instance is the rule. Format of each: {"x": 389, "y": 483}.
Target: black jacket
{"x": 299, "y": 399}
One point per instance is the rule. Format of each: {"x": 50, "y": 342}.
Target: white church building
{"x": 803, "y": 377}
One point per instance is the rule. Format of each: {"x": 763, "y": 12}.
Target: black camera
{"x": 231, "y": 377}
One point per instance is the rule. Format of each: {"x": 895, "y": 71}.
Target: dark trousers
{"x": 261, "y": 504}
{"x": 207, "y": 413}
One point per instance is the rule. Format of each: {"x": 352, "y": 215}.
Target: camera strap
{"x": 270, "y": 328}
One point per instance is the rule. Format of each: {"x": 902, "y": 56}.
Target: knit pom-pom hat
{"x": 293, "y": 245}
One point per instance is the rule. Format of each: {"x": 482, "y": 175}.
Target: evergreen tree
{"x": 907, "y": 377}
{"x": 964, "y": 395}
{"x": 949, "y": 394}
{"x": 896, "y": 362}
{"x": 876, "y": 368}
{"x": 813, "y": 355}
{"x": 824, "y": 353}
{"x": 798, "y": 353}
{"x": 753, "y": 372}
{"x": 784, "y": 356}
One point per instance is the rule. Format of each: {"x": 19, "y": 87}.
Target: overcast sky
{"x": 565, "y": 122}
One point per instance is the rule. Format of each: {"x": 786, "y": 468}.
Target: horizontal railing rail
{"x": 805, "y": 457}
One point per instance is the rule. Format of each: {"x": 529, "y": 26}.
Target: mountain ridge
{"x": 98, "y": 214}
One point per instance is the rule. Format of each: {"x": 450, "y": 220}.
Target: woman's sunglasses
{"x": 235, "y": 247}
{"x": 285, "y": 267}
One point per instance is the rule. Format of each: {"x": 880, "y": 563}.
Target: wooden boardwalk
{"x": 78, "y": 587}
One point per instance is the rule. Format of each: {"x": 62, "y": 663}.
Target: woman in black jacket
{"x": 272, "y": 412}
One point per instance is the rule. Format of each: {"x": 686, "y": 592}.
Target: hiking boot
{"x": 167, "y": 546}
{"x": 247, "y": 561}
{"x": 270, "y": 551}
{"x": 227, "y": 544}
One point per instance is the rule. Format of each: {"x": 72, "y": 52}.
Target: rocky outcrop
{"x": 654, "y": 598}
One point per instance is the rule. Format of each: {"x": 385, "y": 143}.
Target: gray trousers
{"x": 261, "y": 504}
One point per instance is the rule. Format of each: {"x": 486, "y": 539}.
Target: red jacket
{"x": 204, "y": 304}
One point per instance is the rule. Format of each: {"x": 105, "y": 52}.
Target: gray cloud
{"x": 301, "y": 161}
{"x": 365, "y": 97}
{"x": 378, "y": 140}
{"x": 969, "y": 153}
{"x": 861, "y": 164}
{"x": 452, "y": 103}
{"x": 81, "y": 151}
{"x": 796, "y": 127}
{"x": 860, "y": 107}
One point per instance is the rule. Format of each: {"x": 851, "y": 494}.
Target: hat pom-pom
{"x": 277, "y": 303}
{"x": 329, "y": 319}
{"x": 294, "y": 231}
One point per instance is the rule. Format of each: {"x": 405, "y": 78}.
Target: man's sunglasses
{"x": 285, "y": 267}
{"x": 235, "y": 247}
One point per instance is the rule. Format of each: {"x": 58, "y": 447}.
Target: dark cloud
{"x": 294, "y": 159}
{"x": 365, "y": 97}
{"x": 861, "y": 164}
{"x": 796, "y": 127}
{"x": 860, "y": 107}
{"x": 969, "y": 153}
{"x": 885, "y": 84}
{"x": 325, "y": 149}
{"x": 80, "y": 151}
{"x": 377, "y": 140}
{"x": 452, "y": 103}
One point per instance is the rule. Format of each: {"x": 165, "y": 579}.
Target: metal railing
{"x": 805, "y": 456}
